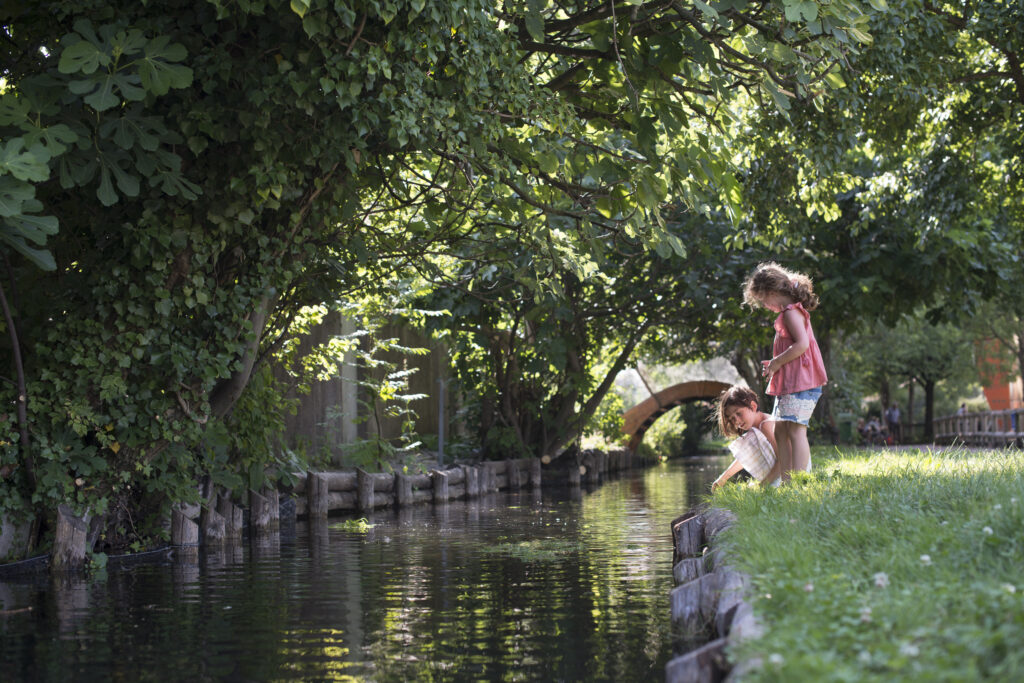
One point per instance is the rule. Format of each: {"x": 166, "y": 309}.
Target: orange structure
{"x": 641, "y": 416}
{"x": 1000, "y": 392}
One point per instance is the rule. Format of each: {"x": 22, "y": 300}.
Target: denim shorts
{"x": 796, "y": 407}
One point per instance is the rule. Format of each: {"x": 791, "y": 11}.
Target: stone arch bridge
{"x": 641, "y": 416}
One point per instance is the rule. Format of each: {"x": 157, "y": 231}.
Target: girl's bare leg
{"x": 799, "y": 448}
{"x": 784, "y": 447}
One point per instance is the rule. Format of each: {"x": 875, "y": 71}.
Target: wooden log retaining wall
{"x": 708, "y": 600}
{"x": 361, "y": 491}
{"x": 217, "y": 521}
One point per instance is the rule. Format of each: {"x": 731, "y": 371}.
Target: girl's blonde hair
{"x": 733, "y": 396}
{"x": 771, "y": 278}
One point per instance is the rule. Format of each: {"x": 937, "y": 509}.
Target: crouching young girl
{"x": 754, "y": 448}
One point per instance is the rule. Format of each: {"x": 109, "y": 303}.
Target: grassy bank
{"x": 886, "y": 566}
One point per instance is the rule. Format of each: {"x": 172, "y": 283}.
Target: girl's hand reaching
{"x": 769, "y": 368}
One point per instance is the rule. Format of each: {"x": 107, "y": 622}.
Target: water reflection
{"x": 520, "y": 586}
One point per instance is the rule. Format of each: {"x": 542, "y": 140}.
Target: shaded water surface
{"x": 541, "y": 587}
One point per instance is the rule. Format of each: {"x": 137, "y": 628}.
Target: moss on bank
{"x": 886, "y": 566}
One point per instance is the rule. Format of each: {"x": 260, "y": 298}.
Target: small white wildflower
{"x": 865, "y": 615}
{"x": 792, "y": 520}
{"x": 926, "y": 560}
{"x": 997, "y": 506}
{"x": 881, "y": 580}
{"x": 767, "y": 596}
{"x": 808, "y": 587}
{"x": 945, "y": 522}
{"x": 1009, "y": 588}
{"x": 864, "y": 657}
{"x": 987, "y": 531}
{"x": 909, "y": 650}
{"x": 776, "y": 659}
{"x": 1013, "y": 500}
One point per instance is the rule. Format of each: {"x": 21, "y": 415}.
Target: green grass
{"x": 886, "y": 566}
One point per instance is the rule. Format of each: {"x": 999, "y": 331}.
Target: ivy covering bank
{"x": 886, "y": 566}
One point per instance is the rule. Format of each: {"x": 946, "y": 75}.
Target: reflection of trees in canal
{"x": 506, "y": 587}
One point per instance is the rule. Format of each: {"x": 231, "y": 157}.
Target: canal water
{"x": 548, "y": 586}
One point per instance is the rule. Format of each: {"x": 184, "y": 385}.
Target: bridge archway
{"x": 640, "y": 417}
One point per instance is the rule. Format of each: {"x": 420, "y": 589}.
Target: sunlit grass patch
{"x": 884, "y": 565}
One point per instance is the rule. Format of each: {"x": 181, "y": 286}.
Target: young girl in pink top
{"x": 796, "y": 372}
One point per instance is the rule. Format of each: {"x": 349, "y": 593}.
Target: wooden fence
{"x": 990, "y": 428}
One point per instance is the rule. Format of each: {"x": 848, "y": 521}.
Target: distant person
{"x": 962, "y": 410}
{"x": 874, "y": 430}
{"x": 892, "y": 421}
{"x": 739, "y": 415}
{"x": 796, "y": 372}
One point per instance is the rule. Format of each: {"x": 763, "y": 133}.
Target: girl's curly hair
{"x": 771, "y": 278}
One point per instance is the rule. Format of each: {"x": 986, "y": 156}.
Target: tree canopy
{"x": 179, "y": 181}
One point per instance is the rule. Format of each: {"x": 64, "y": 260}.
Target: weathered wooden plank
{"x": 456, "y": 476}
{"x": 232, "y": 515}
{"x": 693, "y": 603}
{"x": 212, "y": 528}
{"x": 688, "y": 569}
{"x": 184, "y": 531}
{"x": 364, "y": 490}
{"x": 472, "y": 477}
{"x": 688, "y": 535}
{"x": 440, "y": 480}
{"x": 706, "y": 664}
{"x": 403, "y": 490}
{"x": 717, "y": 520}
{"x": 535, "y": 473}
{"x": 317, "y": 495}
{"x": 259, "y": 514}
{"x": 69, "y": 540}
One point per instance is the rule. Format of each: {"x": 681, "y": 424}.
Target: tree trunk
{"x": 929, "y": 409}
{"x": 22, "y": 400}
{"x": 226, "y": 393}
{"x": 884, "y": 393}
{"x": 909, "y": 435}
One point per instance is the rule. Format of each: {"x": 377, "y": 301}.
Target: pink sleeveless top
{"x": 799, "y": 374}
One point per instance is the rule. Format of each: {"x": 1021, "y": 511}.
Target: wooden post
{"x": 232, "y": 515}
{"x": 364, "y": 490}
{"x": 69, "y": 542}
{"x": 592, "y": 469}
{"x": 535, "y": 472}
{"x": 212, "y": 527}
{"x": 403, "y": 490}
{"x": 440, "y": 480}
{"x": 574, "y": 475}
{"x": 472, "y": 476}
{"x": 512, "y": 471}
{"x": 316, "y": 494}
{"x": 259, "y": 513}
{"x": 274, "y": 504}
{"x": 184, "y": 531}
